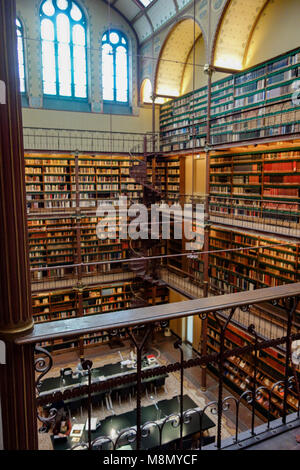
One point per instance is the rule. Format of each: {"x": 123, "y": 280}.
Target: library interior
{"x": 149, "y": 225}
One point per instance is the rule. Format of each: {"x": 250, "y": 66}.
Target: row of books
{"x": 272, "y": 81}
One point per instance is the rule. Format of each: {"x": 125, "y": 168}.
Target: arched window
{"x": 146, "y": 91}
{"x": 115, "y": 76}
{"x": 64, "y": 42}
{"x": 21, "y": 60}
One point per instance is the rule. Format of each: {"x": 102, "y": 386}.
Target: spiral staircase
{"x": 144, "y": 270}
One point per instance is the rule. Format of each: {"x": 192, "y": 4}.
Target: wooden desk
{"x": 170, "y": 434}
{"x": 109, "y": 371}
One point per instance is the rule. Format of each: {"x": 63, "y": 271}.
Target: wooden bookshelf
{"x": 263, "y": 185}
{"x": 63, "y": 193}
{"x": 239, "y": 372}
{"x": 51, "y": 180}
{"x": 157, "y": 174}
{"x": 173, "y": 178}
{"x": 52, "y": 242}
{"x": 253, "y": 268}
{"x": 98, "y": 299}
{"x": 267, "y": 262}
{"x": 249, "y": 105}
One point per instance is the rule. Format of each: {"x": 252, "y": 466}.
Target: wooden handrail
{"x": 76, "y": 327}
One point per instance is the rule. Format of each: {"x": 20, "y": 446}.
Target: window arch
{"x": 146, "y": 91}
{"x": 115, "y": 70}
{"x": 21, "y": 58}
{"x": 64, "y": 49}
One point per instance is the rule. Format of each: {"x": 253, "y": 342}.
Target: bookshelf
{"x": 267, "y": 262}
{"x": 252, "y": 104}
{"x": 263, "y": 185}
{"x": 252, "y": 269}
{"x": 53, "y": 306}
{"x": 239, "y": 372}
{"x": 51, "y": 180}
{"x": 181, "y": 121}
{"x": 157, "y": 174}
{"x": 173, "y": 178}
{"x": 53, "y": 242}
{"x": 63, "y": 193}
{"x": 97, "y": 299}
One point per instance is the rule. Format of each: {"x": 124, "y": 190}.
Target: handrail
{"x": 77, "y": 327}
{"x": 87, "y": 130}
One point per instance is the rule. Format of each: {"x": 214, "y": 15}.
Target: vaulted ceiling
{"x": 173, "y": 57}
{"x": 147, "y": 16}
{"x": 235, "y": 32}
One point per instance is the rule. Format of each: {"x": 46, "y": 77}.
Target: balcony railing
{"x": 261, "y": 122}
{"x": 70, "y": 140}
{"x": 170, "y": 431}
{"x": 268, "y": 215}
{"x": 265, "y": 122}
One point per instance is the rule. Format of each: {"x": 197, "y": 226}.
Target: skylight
{"x": 146, "y": 2}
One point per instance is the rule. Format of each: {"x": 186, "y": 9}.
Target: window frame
{"x": 83, "y": 22}
{"x": 115, "y": 46}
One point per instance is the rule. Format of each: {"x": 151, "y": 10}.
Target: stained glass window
{"x": 21, "y": 59}
{"x": 115, "y": 79}
{"x": 64, "y": 49}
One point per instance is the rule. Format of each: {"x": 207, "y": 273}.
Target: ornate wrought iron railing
{"x": 140, "y": 323}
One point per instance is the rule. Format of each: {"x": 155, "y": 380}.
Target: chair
{"x": 98, "y": 400}
{"x": 144, "y": 389}
{"x": 66, "y": 372}
{"x": 108, "y": 402}
{"x": 123, "y": 393}
{"x": 158, "y": 383}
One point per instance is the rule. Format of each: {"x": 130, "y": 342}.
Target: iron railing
{"x": 264, "y": 121}
{"x": 84, "y": 141}
{"x": 264, "y": 215}
{"x": 138, "y": 325}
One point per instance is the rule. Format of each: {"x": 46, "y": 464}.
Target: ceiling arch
{"x": 147, "y": 16}
{"x": 173, "y": 57}
{"x": 235, "y": 31}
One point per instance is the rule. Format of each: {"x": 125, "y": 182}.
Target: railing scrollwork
{"x": 42, "y": 364}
